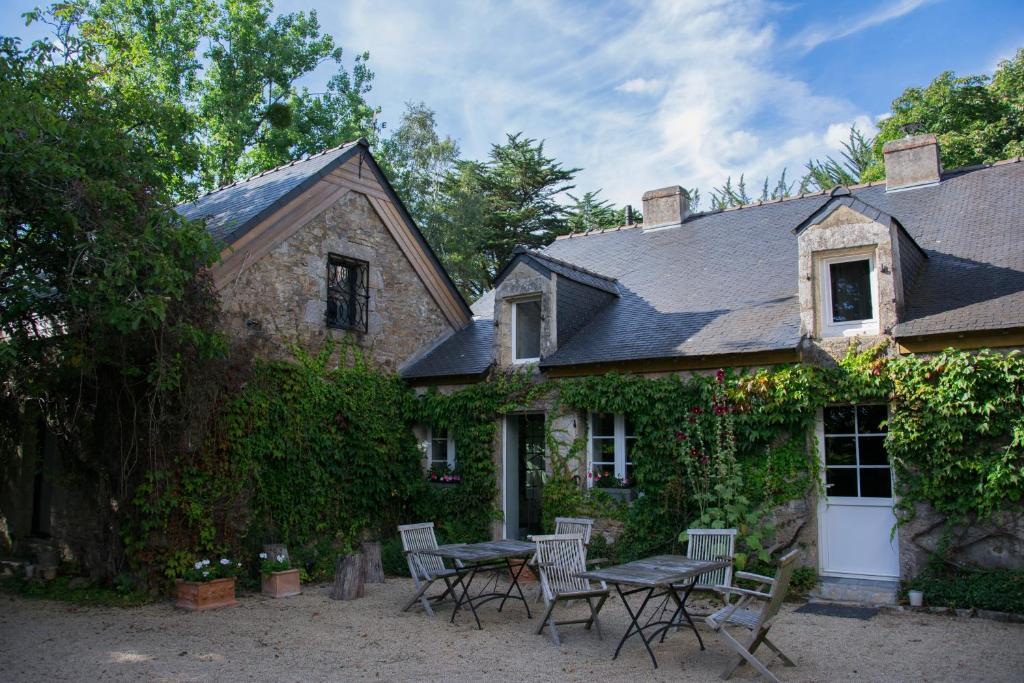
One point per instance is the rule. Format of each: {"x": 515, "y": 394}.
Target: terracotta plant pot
{"x": 282, "y": 584}
{"x": 203, "y": 595}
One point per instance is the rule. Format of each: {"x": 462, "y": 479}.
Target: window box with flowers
{"x": 207, "y": 585}
{"x": 442, "y": 475}
{"x": 279, "y": 579}
{"x": 619, "y": 489}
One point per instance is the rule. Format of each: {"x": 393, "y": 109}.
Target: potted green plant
{"x": 280, "y": 580}
{"x": 618, "y": 488}
{"x": 207, "y": 585}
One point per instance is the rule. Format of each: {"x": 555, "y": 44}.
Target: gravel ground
{"x": 313, "y": 638}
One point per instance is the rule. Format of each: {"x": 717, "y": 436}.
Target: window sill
{"x": 621, "y": 495}
{"x": 865, "y": 329}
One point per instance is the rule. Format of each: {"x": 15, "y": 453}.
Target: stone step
{"x": 856, "y": 591}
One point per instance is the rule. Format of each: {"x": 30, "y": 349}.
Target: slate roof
{"x": 231, "y": 210}
{"x": 466, "y": 352}
{"x": 726, "y": 282}
{"x": 563, "y": 269}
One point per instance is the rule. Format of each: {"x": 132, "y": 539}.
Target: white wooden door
{"x": 856, "y": 523}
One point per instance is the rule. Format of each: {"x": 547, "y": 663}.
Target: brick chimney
{"x": 911, "y": 161}
{"x": 667, "y": 206}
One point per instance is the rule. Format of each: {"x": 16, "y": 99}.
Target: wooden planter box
{"x": 282, "y": 584}
{"x": 203, "y": 595}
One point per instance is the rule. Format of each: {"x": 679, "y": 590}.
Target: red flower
{"x": 680, "y": 436}
{"x": 696, "y": 410}
{"x": 720, "y": 376}
{"x": 704, "y": 460}
{"x": 721, "y": 410}
{"x": 694, "y": 452}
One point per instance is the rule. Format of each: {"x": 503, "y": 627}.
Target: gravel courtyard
{"x": 313, "y": 638}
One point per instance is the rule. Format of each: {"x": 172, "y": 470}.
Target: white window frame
{"x": 450, "y": 451}
{"x": 869, "y": 501}
{"x": 620, "y": 439}
{"x": 853, "y": 327}
{"x": 515, "y": 315}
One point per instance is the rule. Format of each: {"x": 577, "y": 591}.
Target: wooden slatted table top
{"x": 484, "y": 552}
{"x": 660, "y": 570}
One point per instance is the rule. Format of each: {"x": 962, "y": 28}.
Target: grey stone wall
{"x": 524, "y": 281}
{"x": 282, "y": 297}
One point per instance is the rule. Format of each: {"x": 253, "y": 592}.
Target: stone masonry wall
{"x": 282, "y": 297}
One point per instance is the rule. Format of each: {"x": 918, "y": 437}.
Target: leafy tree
{"x": 588, "y": 212}
{"x": 103, "y": 312}
{"x": 232, "y": 71}
{"x": 857, "y": 157}
{"x": 510, "y": 199}
{"x": 977, "y": 119}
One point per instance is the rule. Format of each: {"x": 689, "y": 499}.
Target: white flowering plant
{"x": 209, "y": 569}
{"x": 274, "y": 563}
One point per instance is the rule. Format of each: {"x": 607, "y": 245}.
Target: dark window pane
{"x": 839, "y": 420}
{"x": 604, "y": 424}
{"x": 841, "y": 482}
{"x": 840, "y": 450}
{"x": 347, "y": 293}
{"x": 528, "y": 329}
{"x": 629, "y": 475}
{"x": 875, "y": 482}
{"x": 851, "y": 291}
{"x": 872, "y": 451}
{"x": 603, "y": 450}
{"x": 630, "y": 428}
{"x": 870, "y": 418}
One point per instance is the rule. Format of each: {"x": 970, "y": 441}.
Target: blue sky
{"x": 647, "y": 94}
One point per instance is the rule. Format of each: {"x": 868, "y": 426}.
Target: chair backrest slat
{"x": 417, "y": 537}
{"x": 711, "y": 544}
{"x": 582, "y": 526}
{"x": 561, "y": 558}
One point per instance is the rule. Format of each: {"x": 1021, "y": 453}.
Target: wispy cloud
{"x": 642, "y": 86}
{"x": 640, "y": 95}
{"x": 839, "y": 27}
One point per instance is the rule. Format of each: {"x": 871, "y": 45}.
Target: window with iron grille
{"x": 348, "y": 293}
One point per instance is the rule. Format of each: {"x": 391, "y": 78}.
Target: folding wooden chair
{"x": 560, "y": 560}
{"x": 425, "y": 569}
{"x": 707, "y": 544}
{"x": 581, "y": 526}
{"x": 756, "y": 612}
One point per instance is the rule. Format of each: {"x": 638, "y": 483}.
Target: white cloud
{"x": 716, "y": 101}
{"x": 841, "y": 27}
{"x": 642, "y": 86}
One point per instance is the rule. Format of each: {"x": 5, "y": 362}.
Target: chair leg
{"x": 420, "y": 595}
{"x": 742, "y": 652}
{"x": 594, "y": 621}
{"x": 786, "y": 661}
{"x": 547, "y": 616}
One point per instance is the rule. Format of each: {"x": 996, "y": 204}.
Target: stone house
{"x": 926, "y": 260}
{"x": 319, "y": 249}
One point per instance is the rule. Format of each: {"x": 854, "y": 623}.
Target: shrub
{"x": 1001, "y": 590}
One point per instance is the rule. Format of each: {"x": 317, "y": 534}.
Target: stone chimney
{"x": 911, "y": 161}
{"x": 667, "y": 206}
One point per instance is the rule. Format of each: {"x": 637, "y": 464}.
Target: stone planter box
{"x": 624, "y": 495}
{"x": 282, "y": 584}
{"x": 203, "y": 595}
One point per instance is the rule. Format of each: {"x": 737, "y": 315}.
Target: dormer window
{"x": 526, "y": 331}
{"x": 848, "y": 295}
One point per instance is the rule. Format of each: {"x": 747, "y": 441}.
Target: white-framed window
{"x": 856, "y": 462}
{"x": 441, "y": 448}
{"x": 848, "y": 294}
{"x": 611, "y": 444}
{"x": 526, "y": 330}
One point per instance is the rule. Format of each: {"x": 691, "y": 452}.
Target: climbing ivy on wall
{"x": 317, "y": 456}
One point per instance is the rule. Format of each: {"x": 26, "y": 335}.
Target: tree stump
{"x": 348, "y": 577}
{"x": 273, "y": 550}
{"x": 373, "y": 570}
